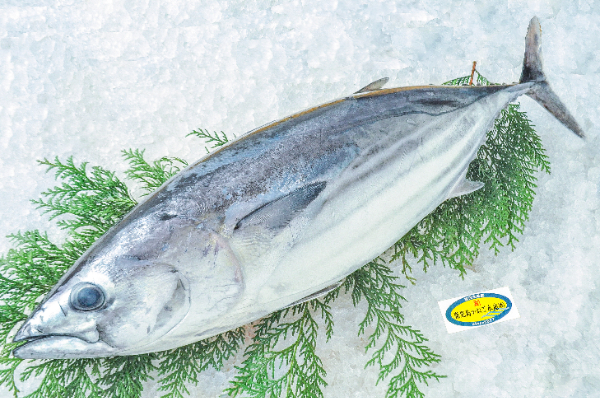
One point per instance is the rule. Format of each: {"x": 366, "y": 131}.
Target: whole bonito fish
{"x": 278, "y": 216}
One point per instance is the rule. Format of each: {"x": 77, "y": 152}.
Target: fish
{"x": 276, "y": 217}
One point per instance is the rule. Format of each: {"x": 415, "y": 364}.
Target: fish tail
{"x": 540, "y": 90}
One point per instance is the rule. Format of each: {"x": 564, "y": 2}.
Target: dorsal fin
{"x": 376, "y": 85}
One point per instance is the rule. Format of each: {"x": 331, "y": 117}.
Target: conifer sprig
{"x": 94, "y": 200}
{"x": 8, "y": 368}
{"x": 65, "y": 378}
{"x": 213, "y": 138}
{"x": 292, "y": 371}
{"x": 403, "y": 354}
{"x": 182, "y": 366}
{"x": 151, "y": 176}
{"x": 459, "y": 81}
{"x": 464, "y": 80}
{"x": 506, "y": 163}
{"x": 124, "y": 376}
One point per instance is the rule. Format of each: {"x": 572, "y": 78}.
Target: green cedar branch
{"x": 65, "y": 378}
{"x": 95, "y": 200}
{"x": 182, "y": 366}
{"x": 506, "y": 163}
{"x": 7, "y": 373}
{"x": 211, "y": 138}
{"x": 151, "y": 176}
{"x": 379, "y": 288}
{"x": 124, "y": 376}
{"x": 464, "y": 81}
{"x": 292, "y": 371}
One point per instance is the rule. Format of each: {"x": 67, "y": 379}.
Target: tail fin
{"x": 533, "y": 72}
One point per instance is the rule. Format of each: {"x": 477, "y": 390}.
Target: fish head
{"x": 106, "y": 306}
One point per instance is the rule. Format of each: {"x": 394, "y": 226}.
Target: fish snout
{"x": 27, "y": 331}
{"x": 45, "y": 317}
{"x": 49, "y": 333}
{"x": 50, "y": 319}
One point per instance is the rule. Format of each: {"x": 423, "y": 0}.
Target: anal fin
{"x": 464, "y": 187}
{"x": 315, "y": 295}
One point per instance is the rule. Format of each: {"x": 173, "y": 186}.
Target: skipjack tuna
{"x": 276, "y": 217}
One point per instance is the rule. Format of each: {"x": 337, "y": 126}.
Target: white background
{"x": 89, "y": 78}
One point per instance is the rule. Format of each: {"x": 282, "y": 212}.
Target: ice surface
{"x": 88, "y": 79}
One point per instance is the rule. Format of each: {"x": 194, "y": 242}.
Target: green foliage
{"x": 151, "y": 176}
{"x": 378, "y": 287}
{"x": 123, "y": 376}
{"x": 453, "y": 232}
{"x": 183, "y": 365}
{"x": 482, "y": 81}
{"x": 282, "y": 358}
{"x": 95, "y": 200}
{"x": 464, "y": 80}
{"x": 292, "y": 371}
{"x": 511, "y": 177}
{"x": 65, "y": 378}
{"x": 214, "y": 139}
{"x": 459, "y": 81}
{"x": 8, "y": 369}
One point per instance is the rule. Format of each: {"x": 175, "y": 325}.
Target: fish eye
{"x": 87, "y": 297}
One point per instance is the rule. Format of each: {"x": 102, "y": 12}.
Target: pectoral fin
{"x": 263, "y": 230}
{"x": 278, "y": 213}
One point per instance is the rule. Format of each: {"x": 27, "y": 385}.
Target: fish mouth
{"x": 61, "y": 347}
